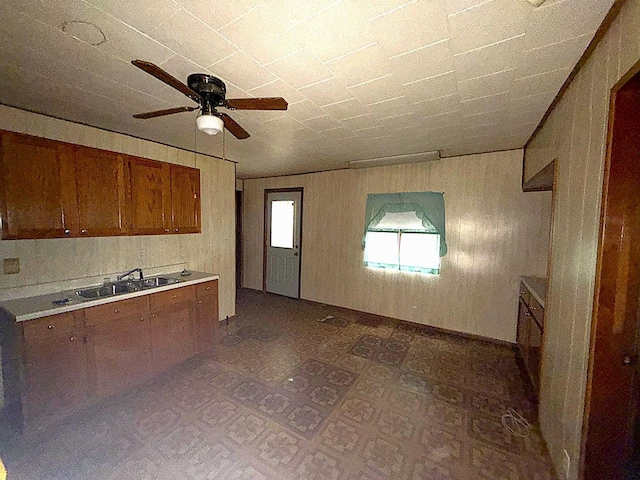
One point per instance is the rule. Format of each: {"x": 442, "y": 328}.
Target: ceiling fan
{"x": 210, "y": 93}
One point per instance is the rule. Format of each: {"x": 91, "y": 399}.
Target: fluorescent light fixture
{"x": 209, "y": 124}
{"x": 395, "y": 160}
{"x": 536, "y": 3}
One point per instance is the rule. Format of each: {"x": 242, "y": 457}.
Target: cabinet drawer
{"x": 54, "y": 326}
{"x": 121, "y": 309}
{"x": 537, "y": 310}
{"x": 207, "y": 288}
{"x": 172, "y": 297}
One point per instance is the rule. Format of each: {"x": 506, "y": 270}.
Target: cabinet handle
{"x": 173, "y": 296}
{"x": 208, "y": 288}
{"x": 167, "y": 230}
{"x": 50, "y": 327}
{"x": 116, "y": 311}
{"x": 142, "y": 319}
{"x": 200, "y": 302}
{"x": 177, "y": 230}
{"x": 153, "y": 315}
{"x": 72, "y": 339}
{"x": 527, "y": 314}
{"x": 83, "y": 231}
{"x": 67, "y": 231}
{"x": 532, "y": 307}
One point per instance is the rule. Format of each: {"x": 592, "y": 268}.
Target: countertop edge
{"x": 101, "y": 301}
{"x": 539, "y": 296}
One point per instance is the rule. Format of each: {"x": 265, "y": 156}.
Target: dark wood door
{"x": 37, "y": 187}
{"x": 101, "y": 192}
{"x": 171, "y": 340}
{"x": 150, "y": 193}
{"x": 55, "y": 364}
{"x": 611, "y": 409}
{"x": 119, "y": 354}
{"x": 185, "y": 199}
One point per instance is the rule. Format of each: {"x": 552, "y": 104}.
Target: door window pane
{"x": 282, "y": 223}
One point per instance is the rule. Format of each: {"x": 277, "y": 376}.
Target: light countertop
{"x": 30, "y": 308}
{"x": 538, "y": 288}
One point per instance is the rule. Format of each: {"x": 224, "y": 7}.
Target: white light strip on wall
{"x": 395, "y": 160}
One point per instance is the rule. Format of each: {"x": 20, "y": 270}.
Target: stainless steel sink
{"x": 106, "y": 290}
{"x": 119, "y": 288}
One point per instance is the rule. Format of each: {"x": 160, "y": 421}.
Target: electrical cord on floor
{"x": 515, "y": 423}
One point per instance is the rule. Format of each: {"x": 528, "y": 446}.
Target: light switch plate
{"x": 11, "y": 266}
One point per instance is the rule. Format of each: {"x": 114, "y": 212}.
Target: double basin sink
{"x": 122, "y": 287}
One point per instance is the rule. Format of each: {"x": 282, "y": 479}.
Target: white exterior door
{"x": 284, "y": 214}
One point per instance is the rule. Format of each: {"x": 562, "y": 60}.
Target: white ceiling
{"x": 363, "y": 78}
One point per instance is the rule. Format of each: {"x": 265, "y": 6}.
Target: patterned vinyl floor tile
{"x": 286, "y": 396}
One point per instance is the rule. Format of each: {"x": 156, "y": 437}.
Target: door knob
{"x": 629, "y": 360}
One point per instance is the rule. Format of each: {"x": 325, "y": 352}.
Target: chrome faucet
{"x": 130, "y": 272}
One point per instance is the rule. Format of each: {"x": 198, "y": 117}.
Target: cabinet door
{"x": 119, "y": 355}
{"x": 101, "y": 192}
{"x": 522, "y": 338}
{"x": 37, "y": 187}
{"x": 171, "y": 340}
{"x": 150, "y": 193}
{"x": 55, "y": 364}
{"x": 205, "y": 324}
{"x": 185, "y": 199}
{"x": 535, "y": 350}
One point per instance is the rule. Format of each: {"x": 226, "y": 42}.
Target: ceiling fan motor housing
{"x": 211, "y": 89}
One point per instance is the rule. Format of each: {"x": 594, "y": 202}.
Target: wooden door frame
{"x": 267, "y": 191}
{"x": 597, "y": 314}
{"x": 239, "y": 198}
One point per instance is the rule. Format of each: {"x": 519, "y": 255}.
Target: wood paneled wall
{"x": 48, "y": 265}
{"x": 495, "y": 234}
{"x": 575, "y": 134}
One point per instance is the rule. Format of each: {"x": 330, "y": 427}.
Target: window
{"x": 405, "y": 232}
{"x": 282, "y": 223}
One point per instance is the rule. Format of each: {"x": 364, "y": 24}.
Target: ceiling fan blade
{"x": 273, "y": 103}
{"x": 231, "y": 125}
{"x": 163, "y": 76}
{"x": 168, "y": 111}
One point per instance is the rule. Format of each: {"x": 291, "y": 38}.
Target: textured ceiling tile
{"x": 326, "y": 92}
{"x": 448, "y": 120}
{"x": 438, "y": 105}
{"x": 360, "y": 121}
{"x": 143, "y": 15}
{"x": 490, "y": 103}
{"x": 399, "y": 120}
{"x": 502, "y": 56}
{"x": 335, "y": 31}
{"x": 218, "y": 13}
{"x": 552, "y": 57}
{"x": 393, "y": 106}
{"x": 295, "y": 12}
{"x": 561, "y": 21}
{"x": 377, "y": 8}
{"x": 435, "y": 87}
{"x": 345, "y": 109}
{"x": 488, "y": 23}
{"x": 284, "y": 124}
{"x": 242, "y": 70}
{"x": 192, "y": 38}
{"x": 261, "y": 34}
{"x": 376, "y": 90}
{"x": 487, "y": 85}
{"x": 537, "y": 102}
{"x": 424, "y": 62}
{"x": 416, "y": 25}
{"x": 455, "y": 6}
{"x": 300, "y": 69}
{"x": 319, "y": 124}
{"x": 483, "y": 118}
{"x": 338, "y": 133}
{"x": 360, "y": 66}
{"x": 545, "y": 82}
{"x": 277, "y": 89}
{"x": 305, "y": 110}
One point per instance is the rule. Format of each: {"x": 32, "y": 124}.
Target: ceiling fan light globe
{"x": 209, "y": 124}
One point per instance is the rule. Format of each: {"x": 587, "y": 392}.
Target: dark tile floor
{"x": 286, "y": 396}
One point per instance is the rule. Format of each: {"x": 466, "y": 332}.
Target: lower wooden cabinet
{"x": 73, "y": 359}
{"x": 529, "y": 335}
{"x": 55, "y": 368}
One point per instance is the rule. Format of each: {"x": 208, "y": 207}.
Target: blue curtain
{"x": 428, "y": 206}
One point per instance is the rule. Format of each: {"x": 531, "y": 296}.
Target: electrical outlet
{"x": 567, "y": 464}
{"x": 11, "y": 266}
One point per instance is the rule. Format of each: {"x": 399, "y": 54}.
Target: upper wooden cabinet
{"x": 37, "y": 187}
{"x": 100, "y": 180}
{"x": 185, "y": 199}
{"x": 54, "y": 189}
{"x": 150, "y": 193}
